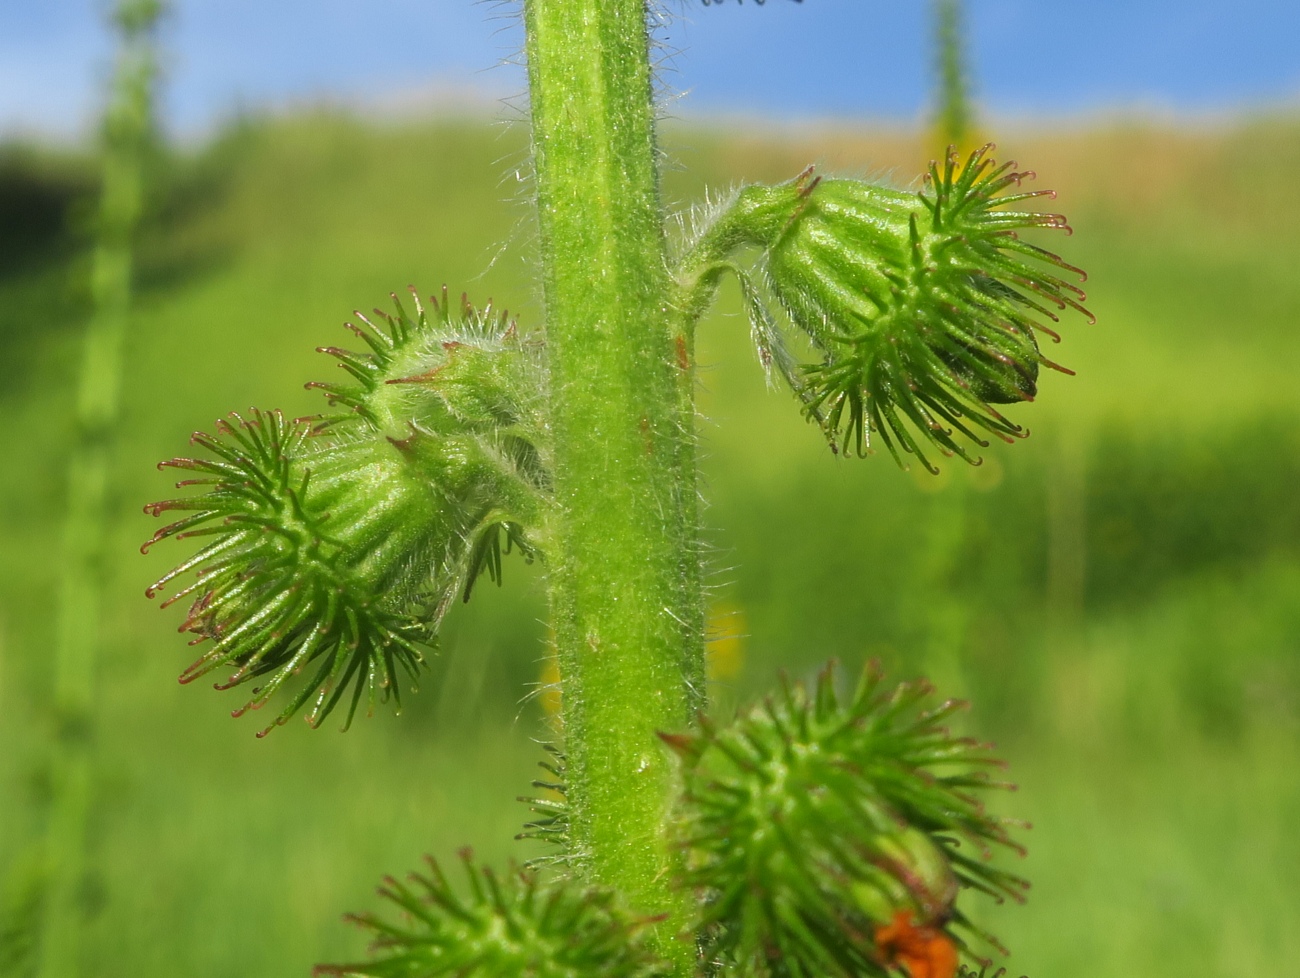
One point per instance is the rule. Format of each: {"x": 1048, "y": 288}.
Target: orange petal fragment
{"x": 923, "y": 952}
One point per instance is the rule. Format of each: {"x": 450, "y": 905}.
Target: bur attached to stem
{"x": 832, "y": 837}
{"x": 511, "y": 926}
{"x": 925, "y": 307}
{"x": 336, "y": 543}
{"x": 812, "y": 838}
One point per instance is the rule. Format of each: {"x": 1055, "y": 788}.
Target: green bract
{"x": 809, "y": 824}
{"x": 339, "y": 541}
{"x": 924, "y": 306}
{"x": 551, "y": 811}
{"x": 511, "y": 927}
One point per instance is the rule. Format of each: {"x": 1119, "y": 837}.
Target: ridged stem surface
{"x": 624, "y": 581}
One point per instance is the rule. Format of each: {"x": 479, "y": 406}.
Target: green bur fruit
{"x": 504, "y": 927}
{"x": 809, "y": 823}
{"x": 340, "y": 541}
{"x": 924, "y": 306}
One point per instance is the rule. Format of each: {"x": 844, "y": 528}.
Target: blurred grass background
{"x": 1119, "y": 595}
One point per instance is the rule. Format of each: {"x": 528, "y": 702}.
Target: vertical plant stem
{"x": 953, "y": 122}
{"x": 625, "y": 602}
{"x": 97, "y": 408}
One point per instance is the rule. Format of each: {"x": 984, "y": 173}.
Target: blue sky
{"x": 857, "y": 58}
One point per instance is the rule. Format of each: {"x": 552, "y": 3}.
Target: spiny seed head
{"x": 511, "y": 926}
{"x": 925, "y": 307}
{"x": 337, "y": 543}
{"x": 827, "y": 836}
{"x": 450, "y": 368}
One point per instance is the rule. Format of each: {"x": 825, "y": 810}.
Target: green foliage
{"x": 1156, "y": 762}
{"x": 810, "y": 825}
{"x": 811, "y": 837}
{"x": 21, "y": 914}
{"x": 127, "y": 133}
{"x": 341, "y": 540}
{"x": 504, "y": 927}
{"x": 1163, "y": 504}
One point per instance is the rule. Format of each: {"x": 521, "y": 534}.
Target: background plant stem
{"x": 624, "y": 598}
{"x": 954, "y": 122}
{"x": 79, "y": 621}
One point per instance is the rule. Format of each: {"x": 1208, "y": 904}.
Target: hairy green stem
{"x": 97, "y": 408}
{"x": 625, "y": 579}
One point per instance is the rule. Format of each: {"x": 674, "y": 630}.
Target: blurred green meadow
{"x": 1118, "y": 595}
